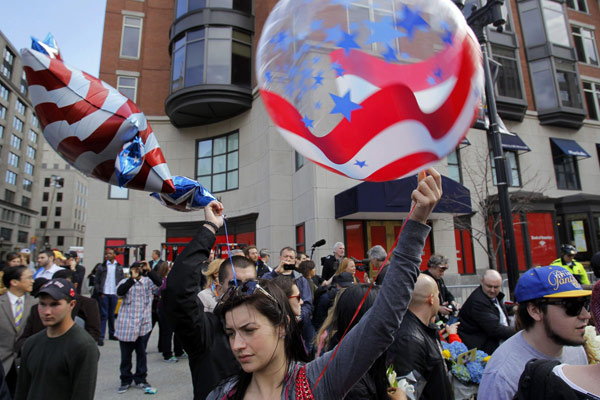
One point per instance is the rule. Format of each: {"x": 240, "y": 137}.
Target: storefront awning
{"x": 391, "y": 200}
{"x": 512, "y": 141}
{"x": 570, "y": 148}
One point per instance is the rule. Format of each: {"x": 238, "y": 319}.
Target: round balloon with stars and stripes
{"x": 373, "y": 89}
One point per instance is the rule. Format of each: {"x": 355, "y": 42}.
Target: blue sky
{"x": 77, "y": 26}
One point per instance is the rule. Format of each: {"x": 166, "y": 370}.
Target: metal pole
{"x": 479, "y": 19}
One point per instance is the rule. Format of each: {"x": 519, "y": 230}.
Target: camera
{"x": 361, "y": 265}
{"x": 289, "y": 267}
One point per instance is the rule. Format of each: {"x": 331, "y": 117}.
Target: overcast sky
{"x": 77, "y": 26}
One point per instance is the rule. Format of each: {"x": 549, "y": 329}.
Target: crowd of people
{"x": 253, "y": 327}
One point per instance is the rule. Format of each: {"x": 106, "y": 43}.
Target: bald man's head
{"x": 491, "y": 281}
{"x": 425, "y": 300}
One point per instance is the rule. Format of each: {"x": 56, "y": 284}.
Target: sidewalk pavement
{"x": 172, "y": 381}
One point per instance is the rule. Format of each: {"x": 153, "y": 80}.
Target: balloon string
{"x": 364, "y": 299}
{"x": 229, "y": 251}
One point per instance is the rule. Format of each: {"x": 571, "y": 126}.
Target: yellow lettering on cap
{"x": 558, "y": 278}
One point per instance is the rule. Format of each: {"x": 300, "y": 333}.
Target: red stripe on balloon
{"x": 44, "y": 78}
{"x": 104, "y": 170}
{"x": 399, "y": 104}
{"x": 72, "y": 147}
{"x": 381, "y": 73}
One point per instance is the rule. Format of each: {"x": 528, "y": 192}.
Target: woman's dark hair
{"x": 37, "y": 285}
{"x": 277, "y": 313}
{"x": 343, "y": 312}
{"x": 285, "y": 283}
{"x": 11, "y": 256}
{"x": 305, "y": 267}
{"x": 11, "y": 273}
{"x": 524, "y": 320}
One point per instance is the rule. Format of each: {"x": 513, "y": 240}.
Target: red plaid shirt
{"x": 135, "y": 314}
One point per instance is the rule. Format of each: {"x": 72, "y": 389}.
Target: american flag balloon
{"x": 89, "y": 123}
{"x": 374, "y": 91}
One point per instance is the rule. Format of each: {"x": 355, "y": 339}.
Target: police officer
{"x": 567, "y": 261}
{"x": 331, "y": 263}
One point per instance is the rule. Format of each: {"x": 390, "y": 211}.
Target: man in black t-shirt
{"x": 60, "y": 362}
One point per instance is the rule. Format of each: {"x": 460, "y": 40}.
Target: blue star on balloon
{"x": 333, "y": 34}
{"x": 316, "y": 24}
{"x": 316, "y": 59}
{"x": 431, "y": 80}
{"x": 318, "y": 105}
{"x": 268, "y": 76}
{"x": 282, "y": 41}
{"x": 307, "y": 121}
{"x": 318, "y": 79}
{"x": 438, "y": 73}
{"x": 303, "y": 49}
{"x": 384, "y": 31}
{"x": 390, "y": 55}
{"x": 343, "y": 105}
{"x": 338, "y": 68}
{"x": 410, "y": 20}
{"x": 447, "y": 37}
{"x": 361, "y": 164}
{"x": 348, "y": 43}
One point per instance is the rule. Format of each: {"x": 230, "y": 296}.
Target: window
{"x": 34, "y": 121}
{"x": 27, "y": 184}
{"x": 44, "y": 211}
{"x": 183, "y": 6}
{"x": 115, "y": 192}
{"x": 217, "y": 163}
{"x": 23, "y": 86}
{"x": 127, "y": 85}
{"x": 568, "y": 86}
{"x": 508, "y": 83}
{"x": 579, "y": 5}
{"x": 215, "y": 55}
{"x": 26, "y": 202}
{"x": 33, "y": 137}
{"x": 4, "y": 92}
{"x": 2, "y": 112}
{"x": 20, "y": 107}
{"x": 42, "y": 224}
{"x": 556, "y": 25}
{"x": 299, "y": 160}
{"x": 8, "y": 215}
{"x": 22, "y": 237}
{"x": 7, "y": 63}
{"x": 11, "y": 177}
{"x": 300, "y": 238}
{"x": 585, "y": 45}
{"x": 56, "y": 224}
{"x": 513, "y": 169}
{"x": 31, "y": 152}
{"x": 59, "y": 197}
{"x": 47, "y": 182}
{"x": 60, "y": 240}
{"x": 18, "y": 124}
{"x": 454, "y": 167}
{"x": 9, "y": 196}
{"x": 565, "y": 169}
{"x": 24, "y": 219}
{"x": 57, "y": 211}
{"x": 6, "y": 234}
{"x": 13, "y": 159}
{"x": 1, "y": 131}
{"x": 29, "y": 168}
{"x": 15, "y": 142}
{"x": 591, "y": 92}
{"x": 132, "y": 37}
{"x": 45, "y": 196}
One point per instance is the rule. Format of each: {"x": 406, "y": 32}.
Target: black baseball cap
{"x": 344, "y": 279}
{"x": 58, "y": 289}
{"x": 71, "y": 254}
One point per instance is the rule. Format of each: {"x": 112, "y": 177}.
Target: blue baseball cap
{"x": 548, "y": 282}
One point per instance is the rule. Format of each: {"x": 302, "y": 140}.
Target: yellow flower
{"x": 486, "y": 359}
{"x": 446, "y": 354}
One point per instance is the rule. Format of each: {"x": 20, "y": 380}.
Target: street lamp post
{"x": 479, "y": 19}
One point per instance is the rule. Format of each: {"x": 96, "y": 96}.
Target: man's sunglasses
{"x": 573, "y": 306}
{"x": 245, "y": 289}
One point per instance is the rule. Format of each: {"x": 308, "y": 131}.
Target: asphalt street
{"x": 172, "y": 381}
